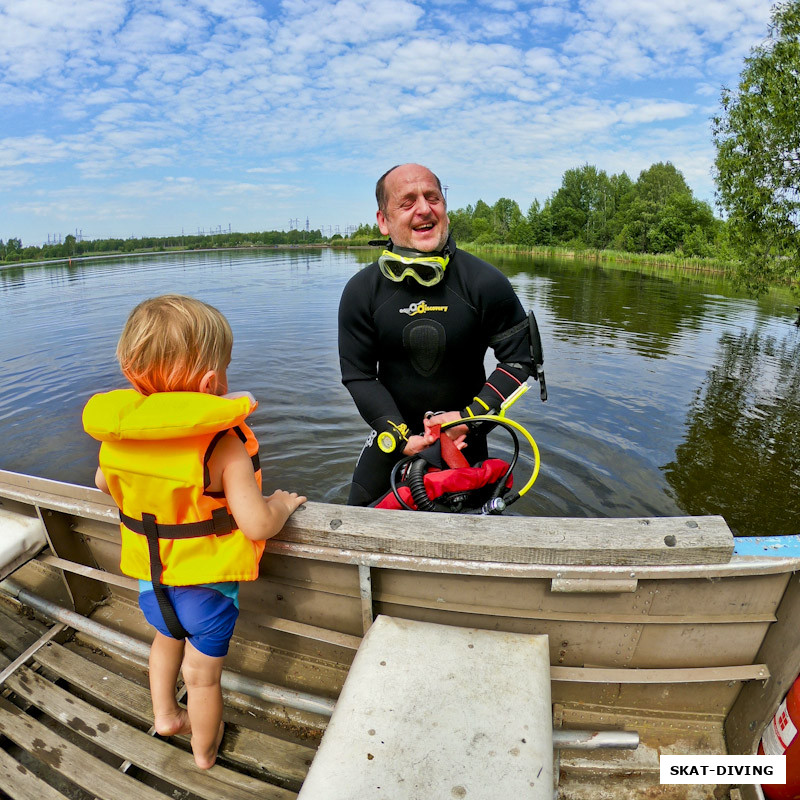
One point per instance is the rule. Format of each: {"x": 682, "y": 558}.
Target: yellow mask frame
{"x": 427, "y": 270}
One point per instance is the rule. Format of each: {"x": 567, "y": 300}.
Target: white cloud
{"x": 111, "y": 95}
{"x": 653, "y": 111}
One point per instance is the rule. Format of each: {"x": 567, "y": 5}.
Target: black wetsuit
{"x": 406, "y": 349}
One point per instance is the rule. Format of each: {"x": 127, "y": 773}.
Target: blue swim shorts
{"x": 208, "y": 616}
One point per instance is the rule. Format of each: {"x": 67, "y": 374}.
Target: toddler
{"x": 182, "y": 465}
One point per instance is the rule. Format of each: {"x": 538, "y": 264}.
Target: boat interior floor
{"x": 75, "y": 722}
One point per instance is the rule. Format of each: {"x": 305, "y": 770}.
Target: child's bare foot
{"x": 173, "y": 724}
{"x": 207, "y": 759}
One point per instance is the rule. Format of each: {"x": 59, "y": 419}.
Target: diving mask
{"x": 426, "y": 269}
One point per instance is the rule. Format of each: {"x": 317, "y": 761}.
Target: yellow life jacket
{"x": 154, "y": 456}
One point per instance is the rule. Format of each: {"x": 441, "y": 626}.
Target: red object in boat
{"x": 779, "y": 737}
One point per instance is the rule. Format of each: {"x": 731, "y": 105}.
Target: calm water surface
{"x": 668, "y": 395}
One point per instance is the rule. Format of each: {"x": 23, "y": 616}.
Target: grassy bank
{"x": 669, "y": 261}
{"x": 711, "y": 266}
{"x": 706, "y": 265}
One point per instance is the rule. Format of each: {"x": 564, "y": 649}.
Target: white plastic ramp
{"x": 21, "y": 538}
{"x": 437, "y": 712}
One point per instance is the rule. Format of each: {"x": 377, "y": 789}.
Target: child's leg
{"x": 166, "y": 655}
{"x": 202, "y": 675}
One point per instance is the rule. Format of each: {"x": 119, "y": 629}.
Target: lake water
{"x": 668, "y": 394}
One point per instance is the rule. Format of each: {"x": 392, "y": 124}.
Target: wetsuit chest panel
{"x": 430, "y": 348}
{"x": 425, "y": 341}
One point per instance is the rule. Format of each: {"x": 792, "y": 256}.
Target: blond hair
{"x": 170, "y": 342}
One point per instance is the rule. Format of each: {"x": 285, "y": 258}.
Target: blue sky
{"x": 149, "y": 117}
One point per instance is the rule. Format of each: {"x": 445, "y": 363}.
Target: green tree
{"x": 757, "y": 167}
{"x": 13, "y": 250}
{"x": 658, "y": 183}
{"x": 482, "y": 211}
{"x": 461, "y": 224}
{"x": 656, "y": 212}
{"x": 582, "y": 207}
{"x": 505, "y": 216}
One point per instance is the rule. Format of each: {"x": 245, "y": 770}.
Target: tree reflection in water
{"x": 743, "y": 428}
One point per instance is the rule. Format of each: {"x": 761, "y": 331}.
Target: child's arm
{"x": 258, "y": 517}
{"x": 100, "y": 482}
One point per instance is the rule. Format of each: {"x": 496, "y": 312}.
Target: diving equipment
{"x": 389, "y": 439}
{"x": 537, "y": 354}
{"x": 386, "y": 442}
{"x": 423, "y": 482}
{"x": 427, "y": 269}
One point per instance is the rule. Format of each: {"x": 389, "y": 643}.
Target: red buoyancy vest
{"x": 451, "y": 481}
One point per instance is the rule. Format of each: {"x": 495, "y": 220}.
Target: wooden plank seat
{"x": 46, "y": 729}
{"x": 431, "y": 710}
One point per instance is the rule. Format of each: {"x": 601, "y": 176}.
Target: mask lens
{"x": 426, "y": 272}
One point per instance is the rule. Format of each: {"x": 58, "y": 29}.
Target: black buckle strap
{"x": 537, "y": 354}
{"x": 220, "y": 524}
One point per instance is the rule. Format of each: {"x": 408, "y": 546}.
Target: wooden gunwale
{"x": 86, "y": 503}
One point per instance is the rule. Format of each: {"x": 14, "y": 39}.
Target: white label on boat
{"x": 780, "y": 733}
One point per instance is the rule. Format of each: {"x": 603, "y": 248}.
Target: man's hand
{"x": 417, "y": 443}
{"x": 457, "y": 432}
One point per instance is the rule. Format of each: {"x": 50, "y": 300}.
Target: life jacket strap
{"x": 207, "y": 474}
{"x": 220, "y": 524}
{"x": 150, "y": 530}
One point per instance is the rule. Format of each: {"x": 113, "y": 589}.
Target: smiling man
{"x": 414, "y": 328}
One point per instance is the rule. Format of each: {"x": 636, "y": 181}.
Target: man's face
{"x": 415, "y": 216}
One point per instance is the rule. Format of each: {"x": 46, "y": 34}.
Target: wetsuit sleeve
{"x": 506, "y": 327}
{"x": 358, "y": 358}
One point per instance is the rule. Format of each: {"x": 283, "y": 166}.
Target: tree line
{"x": 13, "y": 250}
{"x": 657, "y": 213}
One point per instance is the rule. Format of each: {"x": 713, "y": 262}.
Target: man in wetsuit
{"x": 414, "y": 328}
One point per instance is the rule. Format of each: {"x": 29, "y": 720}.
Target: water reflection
{"x": 741, "y": 453}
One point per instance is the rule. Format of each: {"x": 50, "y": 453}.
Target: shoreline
{"x": 70, "y": 259}
{"x": 649, "y": 260}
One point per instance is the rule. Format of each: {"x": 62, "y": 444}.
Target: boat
{"x": 668, "y": 630}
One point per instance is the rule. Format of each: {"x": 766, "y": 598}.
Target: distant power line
{"x": 326, "y": 229}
